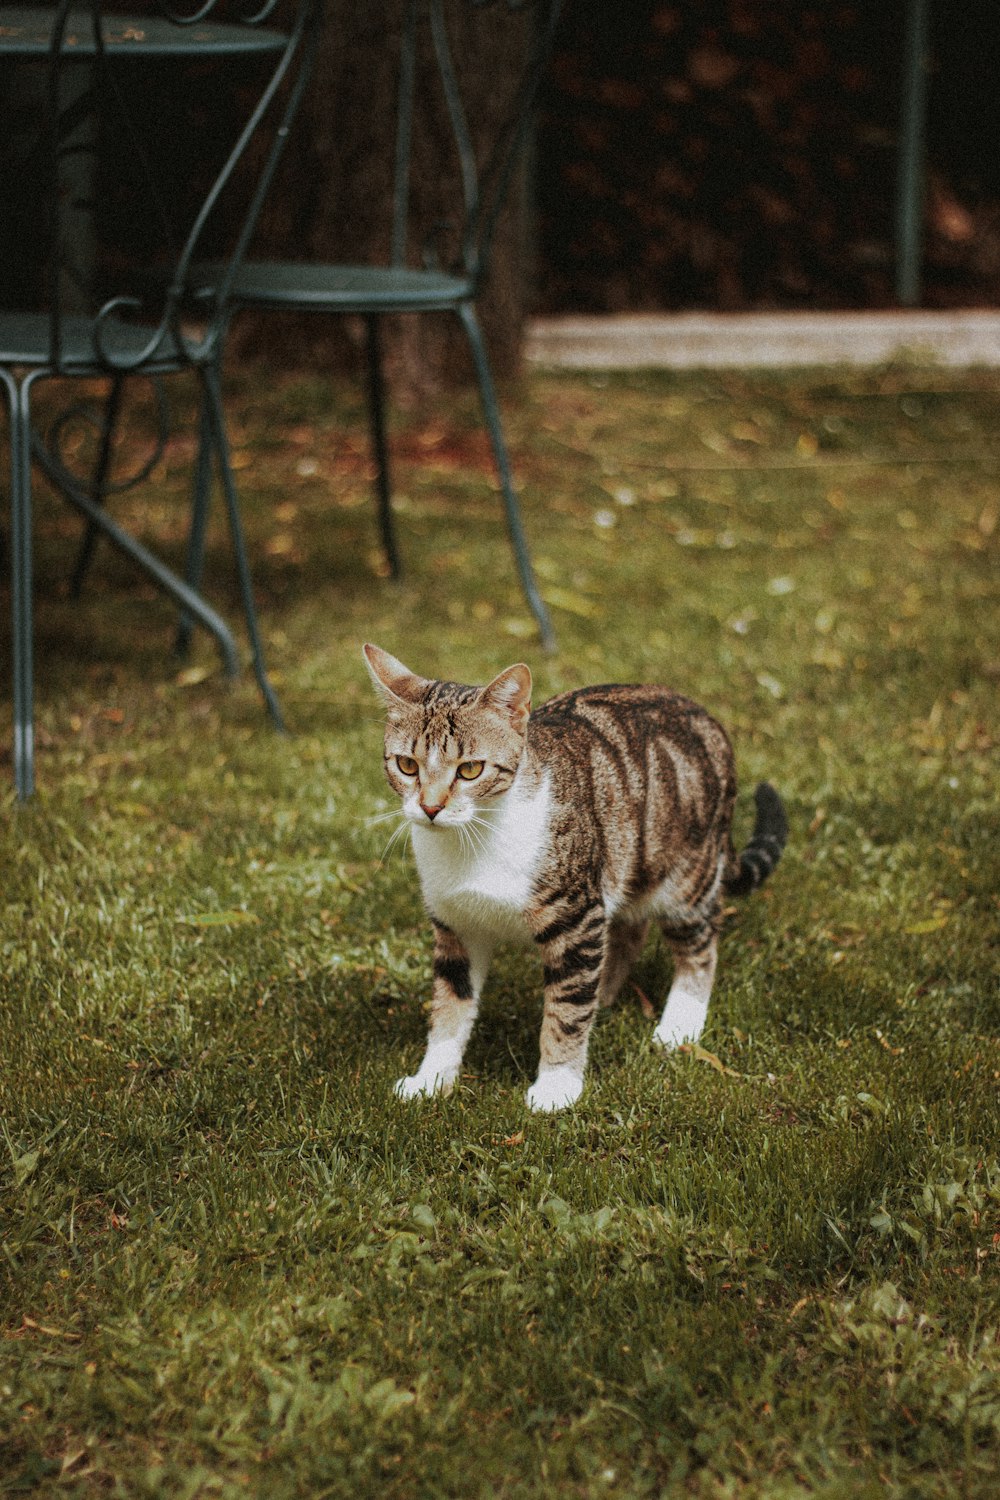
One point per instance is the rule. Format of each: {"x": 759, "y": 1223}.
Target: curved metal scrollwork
{"x": 59, "y": 464}
{"x": 103, "y": 353}
{"x": 205, "y": 12}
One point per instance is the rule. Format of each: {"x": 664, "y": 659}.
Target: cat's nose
{"x": 433, "y": 811}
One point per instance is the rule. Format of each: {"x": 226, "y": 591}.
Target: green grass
{"x": 231, "y": 1264}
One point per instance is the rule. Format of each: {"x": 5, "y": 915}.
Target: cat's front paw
{"x": 422, "y": 1085}
{"x": 437, "y": 1073}
{"x": 555, "y": 1088}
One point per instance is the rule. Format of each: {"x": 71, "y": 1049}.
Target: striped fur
{"x": 573, "y": 827}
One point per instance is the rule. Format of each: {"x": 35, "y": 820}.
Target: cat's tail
{"x": 754, "y": 863}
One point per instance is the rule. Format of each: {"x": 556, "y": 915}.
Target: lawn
{"x": 232, "y": 1263}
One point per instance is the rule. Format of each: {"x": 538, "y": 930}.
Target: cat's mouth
{"x": 438, "y": 818}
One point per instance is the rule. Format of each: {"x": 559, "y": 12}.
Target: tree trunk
{"x": 332, "y": 200}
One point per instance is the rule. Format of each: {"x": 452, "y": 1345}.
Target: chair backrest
{"x": 126, "y": 222}
{"x": 488, "y": 134}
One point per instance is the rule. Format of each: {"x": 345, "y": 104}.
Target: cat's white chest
{"x": 479, "y": 879}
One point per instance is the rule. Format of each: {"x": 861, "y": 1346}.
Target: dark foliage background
{"x": 742, "y": 153}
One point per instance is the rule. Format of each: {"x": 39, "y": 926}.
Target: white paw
{"x": 683, "y": 1019}
{"x": 672, "y": 1037}
{"x": 555, "y": 1088}
{"x": 423, "y": 1085}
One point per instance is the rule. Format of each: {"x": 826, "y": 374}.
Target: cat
{"x": 573, "y": 826}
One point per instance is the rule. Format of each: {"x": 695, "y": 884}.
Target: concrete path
{"x": 685, "y": 341}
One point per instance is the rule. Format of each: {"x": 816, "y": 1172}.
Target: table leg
{"x": 19, "y": 403}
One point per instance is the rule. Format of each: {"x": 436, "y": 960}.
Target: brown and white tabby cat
{"x": 573, "y": 826}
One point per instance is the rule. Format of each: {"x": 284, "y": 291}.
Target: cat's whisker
{"x": 478, "y": 831}
{"x": 393, "y": 844}
{"x": 474, "y": 832}
{"x": 465, "y": 839}
{"x": 481, "y": 828}
{"x": 467, "y": 835}
{"x": 381, "y": 818}
{"x": 397, "y": 836}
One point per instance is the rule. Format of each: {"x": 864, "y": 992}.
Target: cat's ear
{"x": 394, "y": 683}
{"x": 511, "y": 693}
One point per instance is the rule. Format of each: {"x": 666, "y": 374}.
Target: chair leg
{"x": 212, "y": 397}
{"x": 380, "y": 446}
{"x": 100, "y": 481}
{"x": 491, "y": 412}
{"x": 22, "y": 643}
{"x": 200, "y": 505}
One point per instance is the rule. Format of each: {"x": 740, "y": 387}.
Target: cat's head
{"x": 450, "y": 750}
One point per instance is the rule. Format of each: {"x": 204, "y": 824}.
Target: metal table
{"x": 27, "y": 31}
{"x": 39, "y": 36}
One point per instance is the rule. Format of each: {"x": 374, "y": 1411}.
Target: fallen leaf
{"x": 134, "y": 810}
{"x": 929, "y": 924}
{"x": 571, "y": 602}
{"x": 219, "y": 919}
{"x": 700, "y": 1054}
{"x": 55, "y": 1333}
{"x": 282, "y": 544}
{"x": 24, "y": 1165}
{"x": 519, "y": 628}
{"x": 645, "y": 1004}
{"x": 191, "y": 676}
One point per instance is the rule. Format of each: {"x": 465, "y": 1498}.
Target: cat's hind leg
{"x": 625, "y": 943}
{"x": 695, "y": 950}
{"x": 459, "y": 972}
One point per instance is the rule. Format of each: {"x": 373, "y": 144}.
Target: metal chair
{"x": 98, "y": 315}
{"x": 428, "y": 77}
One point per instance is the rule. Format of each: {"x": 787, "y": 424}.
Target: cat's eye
{"x": 470, "y": 769}
{"x": 406, "y": 765}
